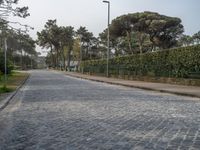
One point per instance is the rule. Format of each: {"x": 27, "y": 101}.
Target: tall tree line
{"x": 66, "y": 45}
{"x": 21, "y": 51}
{"x": 129, "y": 34}
{"x": 20, "y": 46}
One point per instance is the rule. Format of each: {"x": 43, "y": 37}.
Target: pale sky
{"x": 93, "y": 13}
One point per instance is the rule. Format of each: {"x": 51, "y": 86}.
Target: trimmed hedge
{"x": 178, "y": 63}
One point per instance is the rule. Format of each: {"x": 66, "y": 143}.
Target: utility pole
{"x": 81, "y": 54}
{"x": 5, "y": 63}
{"x": 108, "y": 38}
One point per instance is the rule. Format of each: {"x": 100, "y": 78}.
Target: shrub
{"x": 9, "y": 65}
{"x": 4, "y": 89}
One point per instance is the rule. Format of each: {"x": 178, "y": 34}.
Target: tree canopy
{"x": 161, "y": 31}
{"x": 9, "y": 8}
{"x": 59, "y": 40}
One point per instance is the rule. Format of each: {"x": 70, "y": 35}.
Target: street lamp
{"x": 5, "y": 56}
{"x": 81, "y": 54}
{"x": 108, "y": 42}
{"x": 5, "y": 64}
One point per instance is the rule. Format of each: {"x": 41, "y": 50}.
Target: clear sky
{"x": 93, "y": 13}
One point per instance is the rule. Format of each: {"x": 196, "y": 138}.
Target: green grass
{"x": 13, "y": 81}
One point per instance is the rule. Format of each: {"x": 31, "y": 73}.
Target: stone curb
{"x": 8, "y": 99}
{"x": 134, "y": 86}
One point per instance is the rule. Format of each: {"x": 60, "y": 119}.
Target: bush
{"x": 1, "y": 75}
{"x": 4, "y": 89}
{"x": 9, "y": 65}
{"x": 178, "y": 62}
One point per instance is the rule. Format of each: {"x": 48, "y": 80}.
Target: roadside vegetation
{"x": 143, "y": 44}
{"x": 14, "y": 38}
{"x": 13, "y": 81}
{"x": 18, "y": 45}
{"x": 178, "y": 65}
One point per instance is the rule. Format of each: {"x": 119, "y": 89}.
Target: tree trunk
{"x": 68, "y": 60}
{"x": 141, "y": 40}
{"x": 57, "y": 55}
{"x": 21, "y": 60}
{"x": 52, "y": 57}
{"x": 129, "y": 41}
{"x": 60, "y": 57}
{"x": 64, "y": 64}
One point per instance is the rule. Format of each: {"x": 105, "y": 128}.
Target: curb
{"x": 8, "y": 99}
{"x": 134, "y": 86}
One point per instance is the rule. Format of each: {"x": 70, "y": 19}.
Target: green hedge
{"x": 178, "y": 62}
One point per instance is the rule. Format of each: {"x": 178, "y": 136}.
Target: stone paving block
{"x": 53, "y": 111}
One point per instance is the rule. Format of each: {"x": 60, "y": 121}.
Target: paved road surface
{"x": 53, "y": 111}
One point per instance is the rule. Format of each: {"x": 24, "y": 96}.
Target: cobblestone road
{"x": 53, "y": 111}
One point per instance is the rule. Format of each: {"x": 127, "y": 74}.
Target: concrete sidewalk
{"x": 193, "y": 91}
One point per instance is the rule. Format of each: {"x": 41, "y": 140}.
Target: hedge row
{"x": 179, "y": 63}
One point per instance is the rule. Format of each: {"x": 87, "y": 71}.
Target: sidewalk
{"x": 161, "y": 87}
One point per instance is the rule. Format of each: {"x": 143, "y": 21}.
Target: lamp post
{"x": 108, "y": 42}
{"x": 81, "y": 54}
{"x": 5, "y": 56}
{"x": 5, "y": 63}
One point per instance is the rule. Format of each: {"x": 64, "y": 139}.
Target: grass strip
{"x": 13, "y": 81}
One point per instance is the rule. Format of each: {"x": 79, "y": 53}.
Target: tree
{"x": 66, "y": 40}
{"x": 24, "y": 45}
{"x": 162, "y": 31}
{"x": 8, "y": 8}
{"x": 28, "y": 46}
{"x": 53, "y": 37}
{"x": 185, "y": 40}
{"x": 49, "y": 38}
{"x": 114, "y": 43}
{"x": 122, "y": 26}
{"x": 86, "y": 39}
{"x": 60, "y": 41}
{"x": 76, "y": 50}
{"x": 196, "y": 38}
{"x": 20, "y": 47}
{"x": 45, "y": 42}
